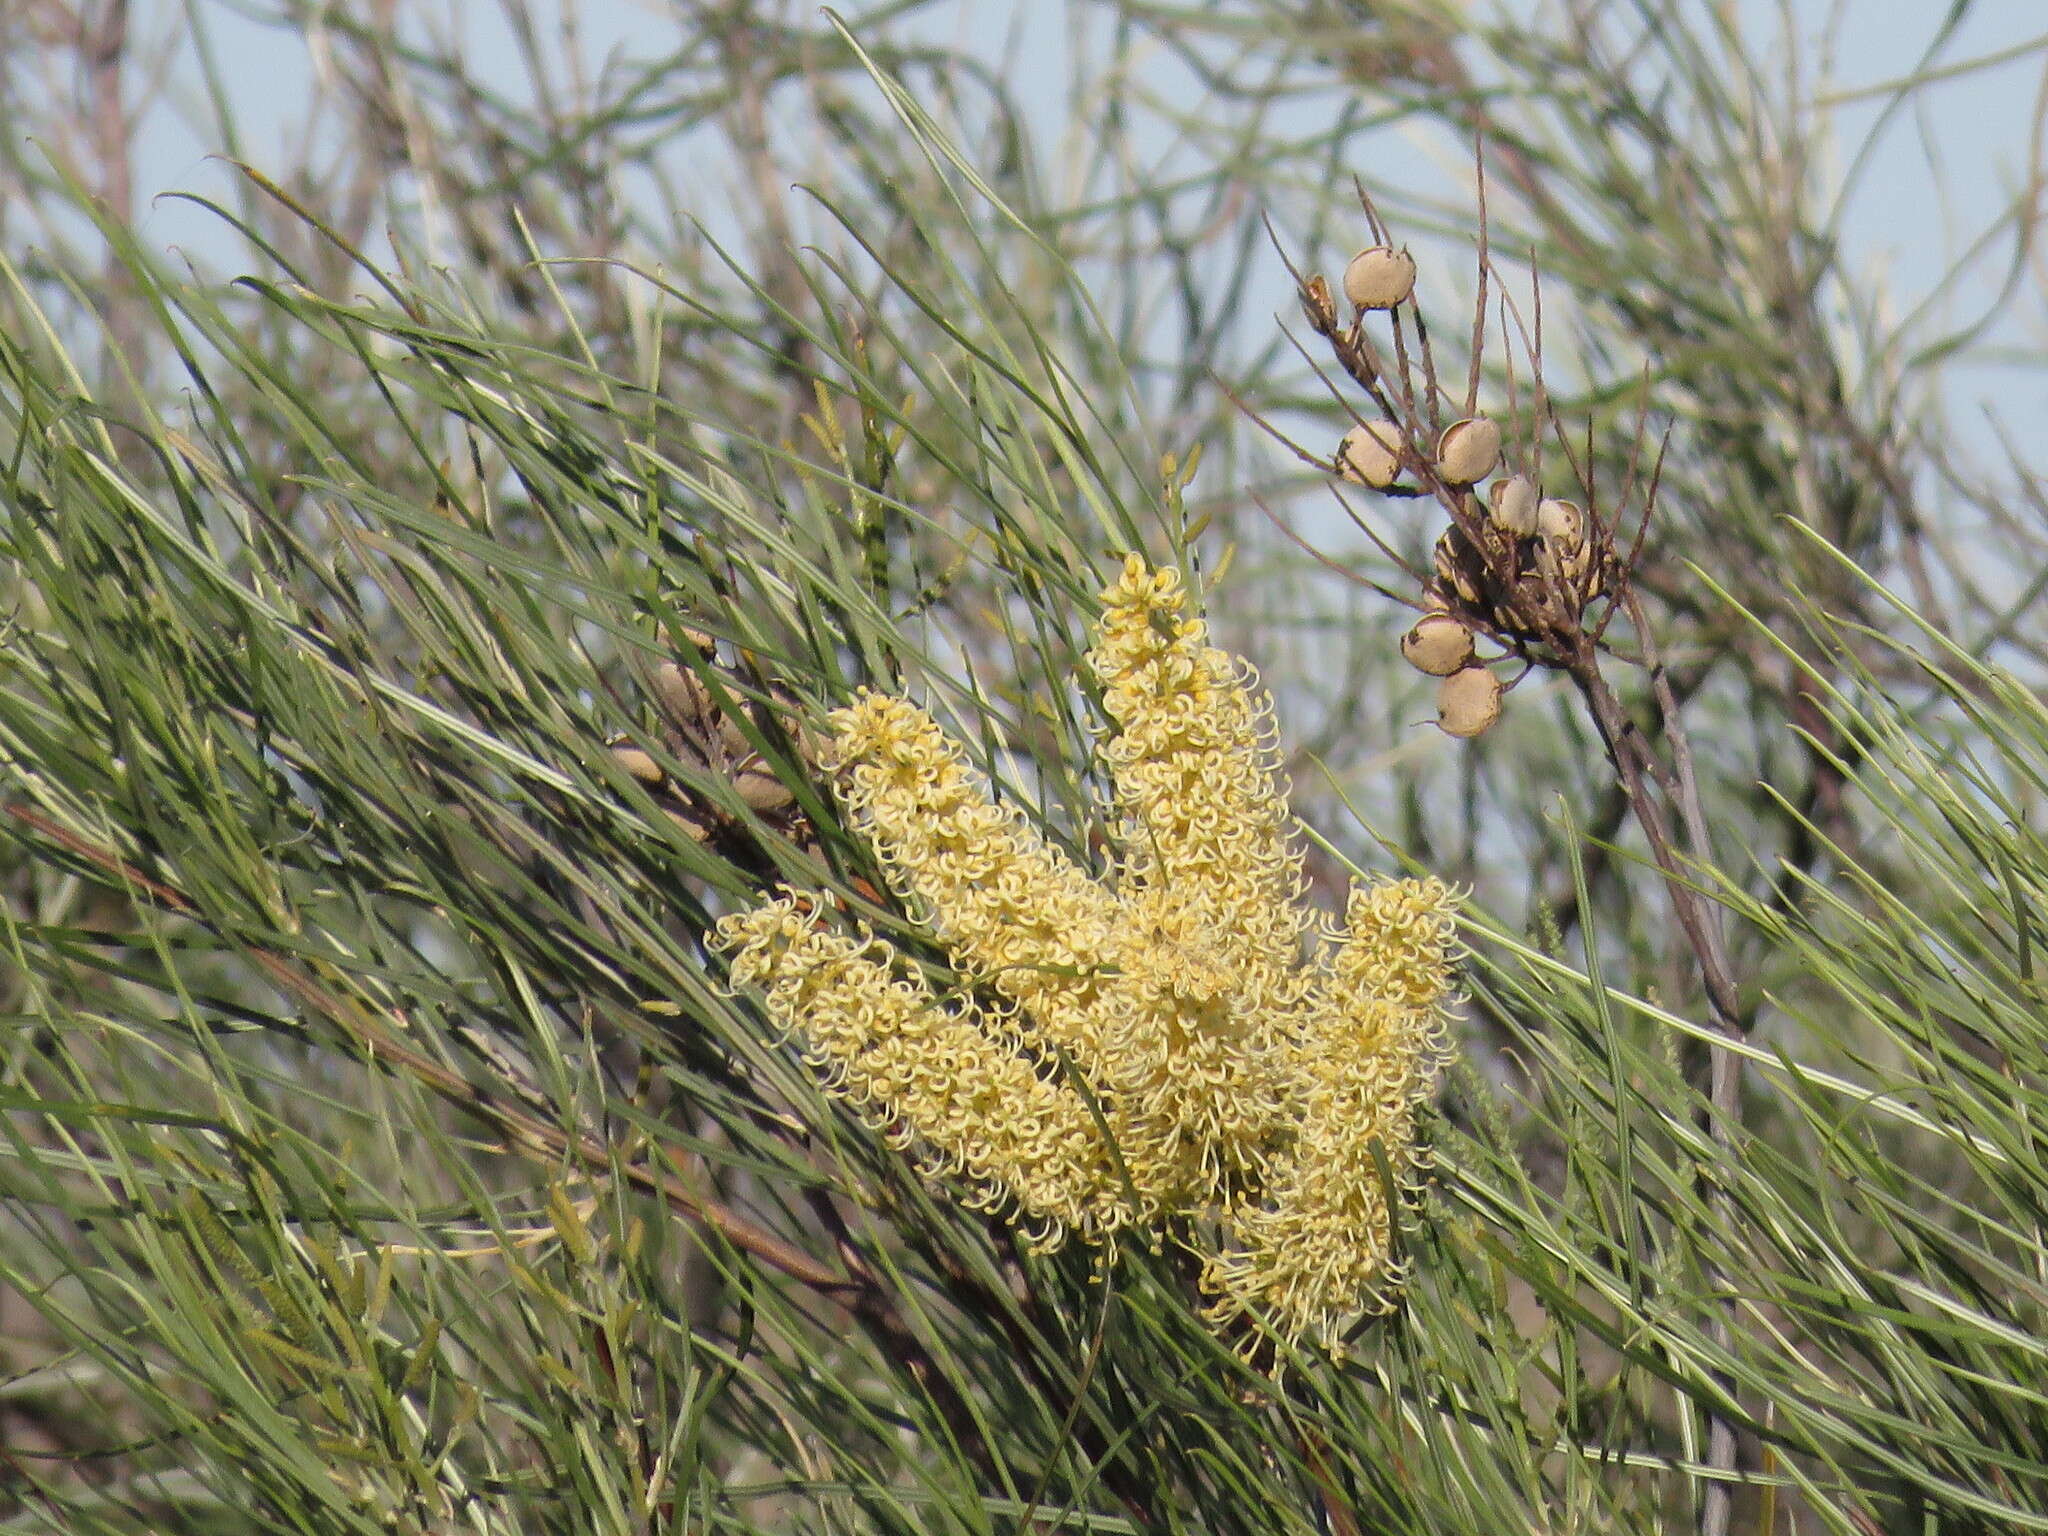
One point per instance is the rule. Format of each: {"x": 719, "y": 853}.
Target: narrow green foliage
{"x": 417, "y": 625}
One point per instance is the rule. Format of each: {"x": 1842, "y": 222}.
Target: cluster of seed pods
{"x": 702, "y": 733}
{"x": 1541, "y": 539}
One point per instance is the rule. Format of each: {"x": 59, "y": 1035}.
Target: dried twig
{"x": 1544, "y": 586}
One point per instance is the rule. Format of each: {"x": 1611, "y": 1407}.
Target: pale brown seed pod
{"x": 1565, "y": 553}
{"x": 1581, "y": 572}
{"x": 1438, "y": 645}
{"x": 761, "y": 790}
{"x": 1468, "y": 450}
{"x": 693, "y": 826}
{"x": 1468, "y": 702}
{"x": 1317, "y": 305}
{"x": 1574, "y": 568}
{"x": 1457, "y": 568}
{"x": 686, "y": 699}
{"x": 1511, "y": 505}
{"x": 638, "y": 763}
{"x": 1379, "y": 277}
{"x": 732, "y": 738}
{"x": 1371, "y": 454}
{"x": 1561, "y": 522}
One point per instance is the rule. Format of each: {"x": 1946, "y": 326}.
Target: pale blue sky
{"x": 1936, "y": 179}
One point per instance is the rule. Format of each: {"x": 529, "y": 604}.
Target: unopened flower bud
{"x": 1379, "y": 277}
{"x": 1468, "y": 701}
{"x": 1468, "y": 450}
{"x": 1438, "y": 645}
{"x": 1512, "y": 506}
{"x": 1371, "y": 454}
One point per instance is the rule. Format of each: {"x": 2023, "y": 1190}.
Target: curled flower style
{"x": 1314, "y": 1249}
{"x": 1177, "y": 1038}
{"x": 926, "y": 1073}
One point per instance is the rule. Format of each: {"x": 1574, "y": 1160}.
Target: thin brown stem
{"x": 1633, "y": 760}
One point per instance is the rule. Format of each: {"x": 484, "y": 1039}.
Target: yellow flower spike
{"x": 1400, "y": 940}
{"x": 925, "y": 1073}
{"x": 1208, "y": 850}
{"x": 1195, "y": 768}
{"x": 1314, "y": 1252}
{"x": 1015, "y": 912}
{"x": 1249, "y": 1069}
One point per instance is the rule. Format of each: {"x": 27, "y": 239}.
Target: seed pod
{"x": 1438, "y": 645}
{"x": 1468, "y": 450}
{"x": 761, "y": 790}
{"x": 1371, "y": 454}
{"x": 1468, "y": 701}
{"x": 692, "y": 825}
{"x": 1574, "y": 569}
{"x": 687, "y": 701}
{"x": 1315, "y": 303}
{"x": 1561, "y": 522}
{"x": 1512, "y": 505}
{"x": 637, "y": 763}
{"x": 1458, "y": 568}
{"x": 1379, "y": 277}
{"x": 1579, "y": 571}
{"x": 732, "y": 739}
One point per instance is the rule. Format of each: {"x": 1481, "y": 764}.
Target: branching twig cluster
{"x": 1538, "y": 581}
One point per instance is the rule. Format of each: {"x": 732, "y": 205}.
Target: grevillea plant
{"x": 1178, "y": 1041}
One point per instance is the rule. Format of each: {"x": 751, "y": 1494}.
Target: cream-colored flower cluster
{"x": 1181, "y": 1038}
